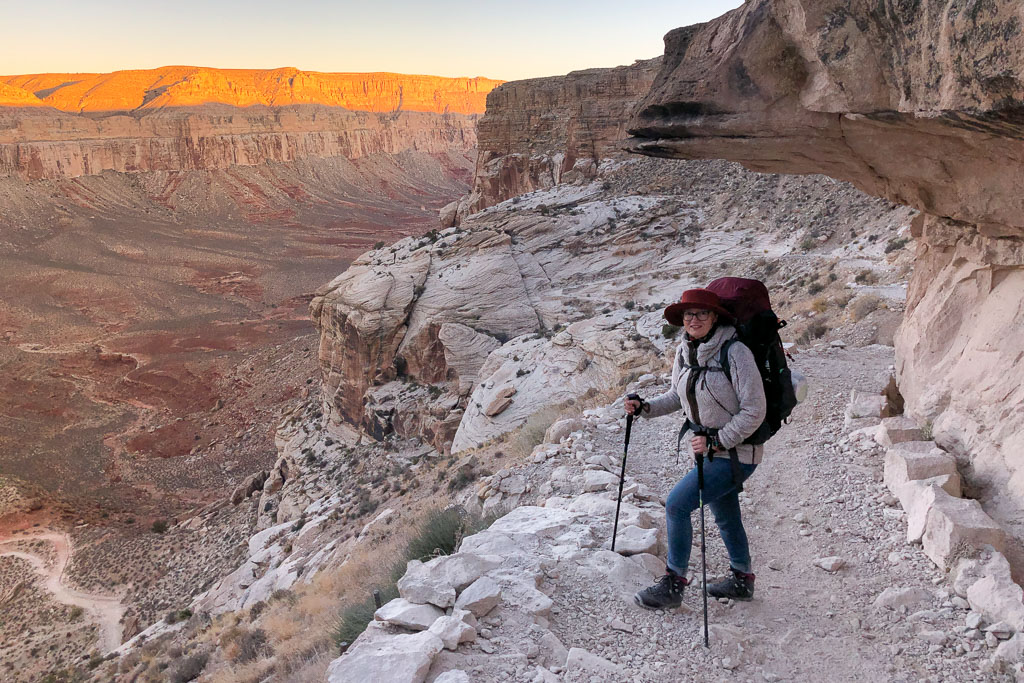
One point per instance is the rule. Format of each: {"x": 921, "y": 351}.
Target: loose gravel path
{"x": 814, "y": 496}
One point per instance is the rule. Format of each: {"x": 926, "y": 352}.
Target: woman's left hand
{"x": 699, "y": 444}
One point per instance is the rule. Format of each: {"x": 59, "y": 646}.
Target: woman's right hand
{"x": 632, "y": 406}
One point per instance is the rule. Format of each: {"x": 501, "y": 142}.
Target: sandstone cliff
{"x": 921, "y": 104}
{"x": 189, "y": 86}
{"x": 40, "y": 143}
{"x": 541, "y": 131}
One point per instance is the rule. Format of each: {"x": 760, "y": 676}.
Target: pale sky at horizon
{"x": 454, "y": 38}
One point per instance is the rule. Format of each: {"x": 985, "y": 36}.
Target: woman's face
{"x": 698, "y": 322}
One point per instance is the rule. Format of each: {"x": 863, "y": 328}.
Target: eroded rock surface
{"x": 920, "y": 104}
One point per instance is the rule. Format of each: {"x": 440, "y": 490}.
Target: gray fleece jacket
{"x": 735, "y": 405}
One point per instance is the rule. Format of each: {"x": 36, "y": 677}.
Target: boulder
{"x": 465, "y": 351}
{"x": 396, "y": 659}
{"x": 452, "y": 631}
{"x": 480, "y": 597}
{"x": 633, "y": 540}
{"x": 895, "y": 430}
{"x": 251, "y": 484}
{"x": 965, "y": 574}
{"x": 561, "y": 429}
{"x": 1010, "y": 651}
{"x": 438, "y": 581}
{"x": 599, "y": 480}
{"x": 895, "y": 597}
{"x": 552, "y": 653}
{"x": 584, "y": 664}
{"x": 917, "y": 498}
{"x": 525, "y": 596}
{"x": 537, "y": 521}
{"x": 954, "y": 525}
{"x": 863, "y": 404}
{"x": 598, "y": 505}
{"x": 401, "y": 612}
{"x": 995, "y": 596}
{"x": 917, "y": 460}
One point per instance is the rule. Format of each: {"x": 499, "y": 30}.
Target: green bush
{"x": 668, "y": 330}
{"x": 159, "y": 526}
{"x": 895, "y": 243}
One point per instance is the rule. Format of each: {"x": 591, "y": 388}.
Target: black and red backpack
{"x": 757, "y": 326}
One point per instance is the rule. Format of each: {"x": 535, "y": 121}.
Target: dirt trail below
{"x": 105, "y": 610}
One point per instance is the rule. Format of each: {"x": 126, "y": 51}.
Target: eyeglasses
{"x": 699, "y": 315}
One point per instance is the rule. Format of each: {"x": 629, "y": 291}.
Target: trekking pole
{"x": 703, "y": 543}
{"x": 622, "y": 476}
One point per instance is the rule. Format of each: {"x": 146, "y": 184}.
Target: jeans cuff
{"x": 741, "y": 568}
{"x": 673, "y": 570}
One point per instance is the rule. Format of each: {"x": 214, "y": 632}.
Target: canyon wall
{"x": 37, "y": 143}
{"x": 542, "y": 131}
{"x": 190, "y": 86}
{"x": 921, "y": 103}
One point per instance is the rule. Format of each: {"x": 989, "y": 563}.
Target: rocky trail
{"x": 840, "y": 594}
{"x": 105, "y": 610}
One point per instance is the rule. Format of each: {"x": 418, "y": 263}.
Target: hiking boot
{"x": 738, "y": 586}
{"x": 666, "y": 594}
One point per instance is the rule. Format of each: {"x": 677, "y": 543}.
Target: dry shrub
{"x": 819, "y": 305}
{"x": 863, "y": 305}
{"x": 253, "y": 672}
{"x": 187, "y": 668}
{"x": 522, "y": 441}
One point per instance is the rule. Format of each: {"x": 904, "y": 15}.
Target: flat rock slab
{"x": 903, "y": 465}
{"x": 895, "y": 430}
{"x": 396, "y": 659}
{"x": 401, "y": 612}
{"x": 633, "y": 540}
{"x": 581, "y": 661}
{"x": 917, "y": 498}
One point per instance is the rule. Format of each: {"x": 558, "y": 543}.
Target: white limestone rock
{"x": 599, "y": 480}
{"x": 954, "y": 524}
{"x": 917, "y": 498}
{"x": 453, "y": 631}
{"x": 996, "y": 597}
{"x": 438, "y": 581}
{"x": 396, "y": 659}
{"x": 863, "y": 404}
{"x": 832, "y": 563}
{"x": 633, "y": 540}
{"x": 480, "y": 597}
{"x": 465, "y": 350}
{"x": 582, "y": 663}
{"x": 915, "y": 460}
{"x": 401, "y": 612}
{"x": 895, "y": 430}
{"x": 895, "y": 597}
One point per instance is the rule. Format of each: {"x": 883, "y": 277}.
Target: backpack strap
{"x": 734, "y": 458}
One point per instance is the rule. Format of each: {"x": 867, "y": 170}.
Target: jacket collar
{"x": 709, "y": 348}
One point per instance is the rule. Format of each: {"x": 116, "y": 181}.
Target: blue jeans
{"x": 721, "y": 496}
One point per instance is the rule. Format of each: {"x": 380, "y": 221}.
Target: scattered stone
{"x": 894, "y": 598}
{"x": 453, "y": 676}
{"x": 830, "y": 564}
{"x": 619, "y": 625}
{"x": 582, "y": 662}
{"x": 1000, "y": 630}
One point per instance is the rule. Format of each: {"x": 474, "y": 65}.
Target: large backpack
{"x": 757, "y": 326}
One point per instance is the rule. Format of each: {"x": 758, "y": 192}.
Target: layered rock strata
{"x": 40, "y": 143}
{"x": 921, "y": 104}
{"x": 542, "y": 131}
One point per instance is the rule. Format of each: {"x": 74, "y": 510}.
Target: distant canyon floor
{"x": 153, "y": 325}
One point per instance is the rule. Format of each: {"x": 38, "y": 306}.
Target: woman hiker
{"x": 735, "y": 407}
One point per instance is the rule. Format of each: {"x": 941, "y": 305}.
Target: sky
{"x": 506, "y": 40}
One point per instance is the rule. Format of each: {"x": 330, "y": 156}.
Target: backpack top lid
{"x": 742, "y": 297}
